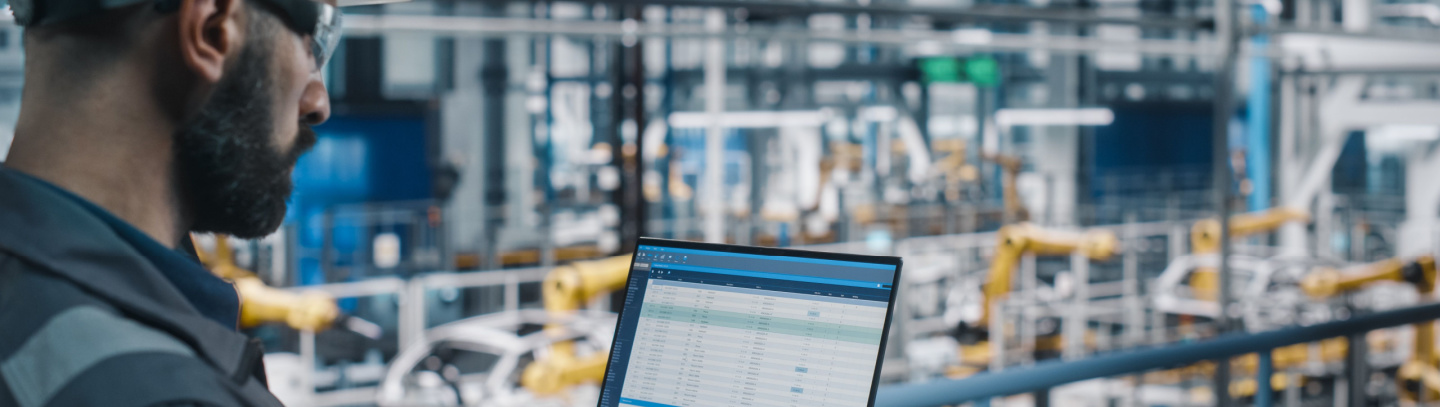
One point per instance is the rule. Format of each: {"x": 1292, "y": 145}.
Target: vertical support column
{"x": 1304, "y": 13}
{"x": 307, "y": 364}
{"x": 1028, "y": 319}
{"x": 1176, "y": 246}
{"x": 327, "y": 251}
{"x": 1340, "y": 396}
{"x": 1134, "y": 306}
{"x": 631, "y": 115}
{"x": 1422, "y": 198}
{"x": 759, "y": 174}
{"x": 1228, "y": 34}
{"x": 512, "y": 291}
{"x": 461, "y": 146}
{"x": 1137, "y": 398}
{"x": 1056, "y": 149}
{"x": 494, "y": 79}
{"x": 997, "y": 336}
{"x": 1077, "y": 319}
{"x": 1176, "y": 241}
{"x": 1357, "y": 232}
{"x": 1263, "y": 388}
{"x": 1104, "y": 342}
{"x": 282, "y": 261}
{"x": 1355, "y": 15}
{"x": 1325, "y": 223}
{"x": 1292, "y": 389}
{"x": 1357, "y": 368}
{"x": 1257, "y": 130}
{"x": 712, "y": 199}
{"x": 412, "y": 313}
{"x": 1042, "y": 398}
{"x": 1157, "y": 326}
{"x": 1292, "y": 235}
{"x": 544, "y": 148}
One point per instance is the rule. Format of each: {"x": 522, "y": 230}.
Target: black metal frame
{"x": 767, "y": 251}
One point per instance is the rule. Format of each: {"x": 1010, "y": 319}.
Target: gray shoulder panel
{"x": 149, "y": 380}
{"x": 72, "y": 342}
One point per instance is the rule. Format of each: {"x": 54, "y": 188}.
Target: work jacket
{"x": 86, "y": 320}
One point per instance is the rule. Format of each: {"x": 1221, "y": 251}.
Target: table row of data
{"x": 761, "y": 323}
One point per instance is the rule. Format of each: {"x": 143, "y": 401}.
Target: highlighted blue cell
{"x": 643, "y": 403}
{"x": 813, "y": 313}
{"x": 775, "y": 276}
{"x": 781, "y": 258}
{"x": 797, "y": 390}
{"x": 802, "y": 369}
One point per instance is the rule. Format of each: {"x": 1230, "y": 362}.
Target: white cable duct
{"x": 1429, "y": 12}
{"x": 1254, "y": 277}
{"x": 792, "y": 186}
{"x": 1335, "y": 51}
{"x": 1422, "y": 199}
{"x": 1343, "y": 110}
{"x": 904, "y": 126}
{"x": 751, "y": 119}
{"x": 712, "y": 197}
{"x": 915, "y": 148}
{"x": 1054, "y": 117}
{"x": 654, "y": 138}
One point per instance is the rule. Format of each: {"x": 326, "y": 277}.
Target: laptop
{"x": 720, "y": 325}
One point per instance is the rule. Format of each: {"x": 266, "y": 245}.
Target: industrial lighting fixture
{"x": 1054, "y": 117}
{"x": 751, "y": 120}
{"x": 972, "y": 36}
{"x": 349, "y": 3}
{"x": 1405, "y": 132}
{"x": 1428, "y": 12}
{"x": 879, "y": 113}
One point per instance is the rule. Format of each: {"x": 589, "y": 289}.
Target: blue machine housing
{"x": 355, "y": 161}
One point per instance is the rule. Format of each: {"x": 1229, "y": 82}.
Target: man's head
{"x": 232, "y": 158}
{"x": 238, "y": 80}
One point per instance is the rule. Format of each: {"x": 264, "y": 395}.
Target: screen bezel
{"x": 764, "y": 251}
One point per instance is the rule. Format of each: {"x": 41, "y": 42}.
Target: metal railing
{"x": 411, "y": 296}
{"x": 412, "y": 313}
{"x": 1044, "y": 376}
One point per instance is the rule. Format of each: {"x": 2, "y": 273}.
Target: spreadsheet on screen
{"x": 705, "y": 328}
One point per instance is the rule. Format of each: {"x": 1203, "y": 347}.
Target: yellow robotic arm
{"x": 1205, "y": 235}
{"x": 1018, "y": 240}
{"x": 1205, "y": 239}
{"x": 569, "y": 287}
{"x": 1010, "y": 166}
{"x": 566, "y": 289}
{"x": 1015, "y": 241}
{"x": 1327, "y": 283}
{"x": 260, "y": 303}
{"x": 1420, "y": 371}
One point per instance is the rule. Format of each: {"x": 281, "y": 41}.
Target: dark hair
{"x": 95, "y": 41}
{"x": 84, "y": 46}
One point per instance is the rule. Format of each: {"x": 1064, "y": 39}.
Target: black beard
{"x": 233, "y": 180}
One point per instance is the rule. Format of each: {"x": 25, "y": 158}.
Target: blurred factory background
{"x": 1052, "y": 172}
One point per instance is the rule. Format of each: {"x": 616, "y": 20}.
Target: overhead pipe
{"x": 371, "y": 25}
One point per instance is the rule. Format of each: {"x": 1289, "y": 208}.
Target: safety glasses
{"x": 317, "y": 21}
{"x": 310, "y": 18}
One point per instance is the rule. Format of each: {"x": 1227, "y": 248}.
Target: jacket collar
{"x": 42, "y": 227}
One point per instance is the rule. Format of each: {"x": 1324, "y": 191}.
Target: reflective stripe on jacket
{"x": 86, "y": 321}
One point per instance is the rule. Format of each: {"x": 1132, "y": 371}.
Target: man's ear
{"x": 210, "y": 32}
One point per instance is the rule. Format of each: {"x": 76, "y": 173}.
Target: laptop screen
{"x": 720, "y": 328}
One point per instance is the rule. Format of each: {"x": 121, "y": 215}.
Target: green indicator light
{"x": 983, "y": 71}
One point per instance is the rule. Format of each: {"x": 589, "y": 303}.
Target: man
{"x": 142, "y": 121}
